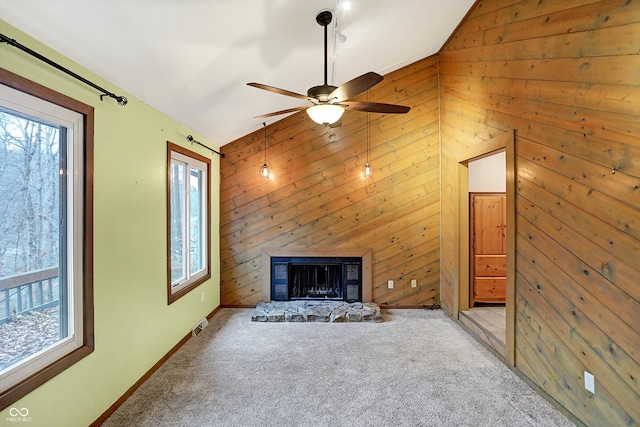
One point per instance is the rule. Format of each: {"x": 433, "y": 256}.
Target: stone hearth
{"x": 316, "y": 311}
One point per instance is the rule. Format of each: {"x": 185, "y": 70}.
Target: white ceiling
{"x": 191, "y": 59}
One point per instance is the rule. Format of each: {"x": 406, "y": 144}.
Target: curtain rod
{"x": 120, "y": 99}
{"x": 191, "y": 140}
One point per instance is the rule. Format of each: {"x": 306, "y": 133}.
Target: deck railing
{"x": 27, "y": 292}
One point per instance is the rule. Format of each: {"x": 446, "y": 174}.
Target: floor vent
{"x": 195, "y": 331}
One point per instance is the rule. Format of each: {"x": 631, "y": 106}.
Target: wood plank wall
{"x": 318, "y": 199}
{"x": 565, "y": 75}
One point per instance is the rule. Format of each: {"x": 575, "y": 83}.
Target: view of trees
{"x": 29, "y": 233}
{"x": 177, "y": 221}
{"x": 185, "y": 229}
{"x": 29, "y": 194}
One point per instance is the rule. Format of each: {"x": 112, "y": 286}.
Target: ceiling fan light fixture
{"x": 325, "y": 114}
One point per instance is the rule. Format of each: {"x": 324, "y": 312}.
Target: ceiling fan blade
{"x": 277, "y": 113}
{"x": 278, "y": 90}
{"x": 375, "y": 107}
{"x": 356, "y": 86}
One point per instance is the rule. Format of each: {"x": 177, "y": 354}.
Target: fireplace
{"x": 316, "y": 274}
{"x": 316, "y": 278}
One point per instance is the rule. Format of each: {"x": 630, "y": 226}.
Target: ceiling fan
{"x": 329, "y": 102}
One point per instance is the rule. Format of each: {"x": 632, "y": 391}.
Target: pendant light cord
{"x": 367, "y": 130}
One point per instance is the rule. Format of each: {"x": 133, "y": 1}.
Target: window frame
{"x": 174, "y": 294}
{"x": 85, "y": 344}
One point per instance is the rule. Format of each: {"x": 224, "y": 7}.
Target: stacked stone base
{"x": 316, "y": 311}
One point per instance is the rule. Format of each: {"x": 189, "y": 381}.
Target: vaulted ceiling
{"x": 191, "y": 59}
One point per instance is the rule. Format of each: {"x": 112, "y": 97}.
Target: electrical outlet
{"x": 202, "y": 296}
{"x": 414, "y": 283}
{"x": 589, "y": 382}
{"x": 390, "y": 284}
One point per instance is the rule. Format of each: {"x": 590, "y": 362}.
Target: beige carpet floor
{"x": 417, "y": 368}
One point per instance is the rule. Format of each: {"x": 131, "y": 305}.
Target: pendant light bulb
{"x": 264, "y": 171}
{"x": 366, "y": 172}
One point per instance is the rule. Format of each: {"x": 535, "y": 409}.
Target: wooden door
{"x": 488, "y": 248}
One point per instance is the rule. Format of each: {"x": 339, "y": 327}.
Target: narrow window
{"x": 188, "y": 220}
{"x": 46, "y": 164}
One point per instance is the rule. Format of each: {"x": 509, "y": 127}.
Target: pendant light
{"x": 366, "y": 170}
{"x": 264, "y": 170}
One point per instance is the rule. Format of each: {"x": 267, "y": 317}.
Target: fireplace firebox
{"x": 316, "y": 278}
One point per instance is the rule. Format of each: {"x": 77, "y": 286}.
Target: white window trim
{"x": 74, "y": 122}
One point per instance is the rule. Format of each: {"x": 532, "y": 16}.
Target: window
{"x": 188, "y": 220}
{"x": 46, "y": 240}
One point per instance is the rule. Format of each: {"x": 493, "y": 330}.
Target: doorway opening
{"x": 479, "y": 318}
{"x": 487, "y": 249}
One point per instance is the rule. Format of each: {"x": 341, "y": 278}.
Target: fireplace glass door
{"x": 315, "y": 281}
{"x": 316, "y": 278}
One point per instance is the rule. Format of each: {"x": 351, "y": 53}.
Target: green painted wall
{"x": 134, "y": 326}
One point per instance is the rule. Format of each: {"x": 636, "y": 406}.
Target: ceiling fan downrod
{"x": 321, "y": 93}
{"x": 324, "y": 19}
